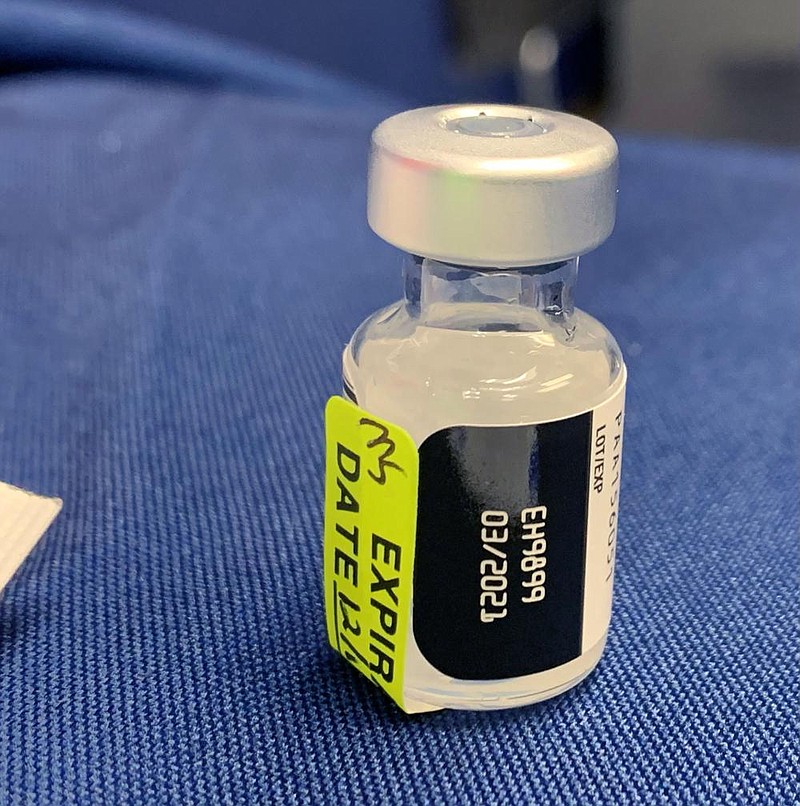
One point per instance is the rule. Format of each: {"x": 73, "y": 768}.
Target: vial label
{"x": 491, "y": 547}
{"x": 515, "y": 543}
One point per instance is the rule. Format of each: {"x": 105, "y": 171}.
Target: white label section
{"x": 603, "y": 514}
{"x": 24, "y": 518}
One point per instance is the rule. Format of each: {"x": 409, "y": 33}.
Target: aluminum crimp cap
{"x": 492, "y": 185}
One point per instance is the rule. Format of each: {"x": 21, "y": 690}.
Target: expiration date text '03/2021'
{"x": 494, "y": 569}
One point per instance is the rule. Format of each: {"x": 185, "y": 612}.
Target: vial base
{"x": 491, "y": 695}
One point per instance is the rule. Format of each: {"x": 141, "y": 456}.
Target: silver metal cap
{"x": 492, "y": 185}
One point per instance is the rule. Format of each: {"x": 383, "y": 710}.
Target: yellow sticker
{"x": 371, "y": 475}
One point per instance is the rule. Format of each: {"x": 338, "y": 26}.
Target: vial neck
{"x": 522, "y": 298}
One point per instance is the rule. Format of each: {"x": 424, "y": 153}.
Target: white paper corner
{"x": 24, "y": 518}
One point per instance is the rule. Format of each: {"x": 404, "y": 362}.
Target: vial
{"x": 512, "y": 396}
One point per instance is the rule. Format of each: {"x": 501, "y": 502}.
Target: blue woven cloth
{"x": 178, "y": 274}
{"x": 402, "y": 47}
{"x": 63, "y": 35}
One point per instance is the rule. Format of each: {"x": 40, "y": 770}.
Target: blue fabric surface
{"x": 72, "y": 36}
{"x": 399, "y": 46}
{"x": 178, "y": 273}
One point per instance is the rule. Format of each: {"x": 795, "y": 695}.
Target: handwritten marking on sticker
{"x": 381, "y": 441}
{"x": 372, "y": 469}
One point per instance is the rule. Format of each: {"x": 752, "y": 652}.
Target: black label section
{"x": 501, "y": 546}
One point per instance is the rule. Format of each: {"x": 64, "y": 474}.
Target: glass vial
{"x": 512, "y": 394}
